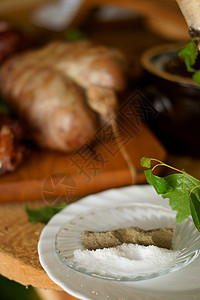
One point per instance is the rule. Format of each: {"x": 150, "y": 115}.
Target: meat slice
{"x": 12, "y": 151}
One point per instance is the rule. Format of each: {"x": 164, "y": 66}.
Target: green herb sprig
{"x": 182, "y": 190}
{"x": 43, "y": 214}
{"x": 189, "y": 53}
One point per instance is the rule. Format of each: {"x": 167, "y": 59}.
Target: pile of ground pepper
{"x": 160, "y": 237}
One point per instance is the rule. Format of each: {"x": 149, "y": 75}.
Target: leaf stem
{"x": 160, "y": 163}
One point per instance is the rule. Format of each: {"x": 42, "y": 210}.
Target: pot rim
{"x": 147, "y": 64}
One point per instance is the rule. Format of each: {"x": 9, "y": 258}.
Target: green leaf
{"x": 195, "y": 208}
{"x": 196, "y": 77}
{"x": 148, "y": 174}
{"x": 160, "y": 184}
{"x": 177, "y": 188}
{"x": 189, "y": 54}
{"x": 181, "y": 185}
{"x": 145, "y": 162}
{"x": 44, "y": 214}
{"x": 74, "y": 34}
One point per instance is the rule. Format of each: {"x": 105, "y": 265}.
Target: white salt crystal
{"x": 125, "y": 259}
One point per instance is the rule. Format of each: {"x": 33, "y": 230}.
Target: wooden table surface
{"x": 18, "y": 238}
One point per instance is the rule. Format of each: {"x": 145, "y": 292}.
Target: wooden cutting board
{"x": 92, "y": 169}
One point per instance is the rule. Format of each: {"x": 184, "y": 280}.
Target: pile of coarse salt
{"x": 125, "y": 259}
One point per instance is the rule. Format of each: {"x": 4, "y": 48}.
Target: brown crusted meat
{"x": 45, "y": 88}
{"x": 84, "y": 62}
{"x": 90, "y": 65}
{"x": 12, "y": 152}
{"x": 52, "y": 105}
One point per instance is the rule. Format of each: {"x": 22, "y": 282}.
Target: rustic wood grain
{"x": 106, "y": 168}
{"x": 18, "y": 247}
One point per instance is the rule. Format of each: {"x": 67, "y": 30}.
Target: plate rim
{"x": 146, "y": 190}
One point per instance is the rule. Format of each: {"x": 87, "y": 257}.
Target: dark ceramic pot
{"x": 175, "y": 97}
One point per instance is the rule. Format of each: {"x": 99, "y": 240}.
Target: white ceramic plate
{"x": 186, "y": 239}
{"x": 182, "y": 284}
